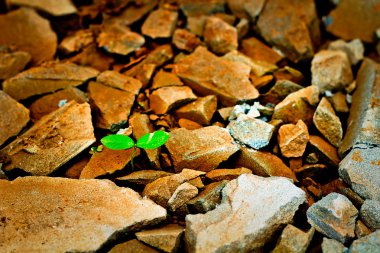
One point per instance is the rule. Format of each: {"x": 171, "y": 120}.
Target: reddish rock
{"x": 188, "y": 124}
{"x": 200, "y": 111}
{"x": 160, "y": 23}
{"x": 324, "y": 150}
{"x": 12, "y": 63}
{"x": 185, "y": 40}
{"x": 132, "y": 246}
{"x": 339, "y": 102}
{"x": 246, "y": 9}
{"x": 164, "y": 79}
{"x": 219, "y": 36}
{"x": 144, "y": 177}
{"x": 353, "y": 49}
{"x": 65, "y": 7}
{"x": 120, "y": 81}
{"x": 293, "y": 139}
{"x": 226, "y": 174}
{"x": 258, "y": 51}
{"x": 76, "y": 42}
{"x": 279, "y": 91}
{"x": 201, "y": 7}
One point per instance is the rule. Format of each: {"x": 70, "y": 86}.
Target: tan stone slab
{"x": 53, "y": 7}
{"x": 160, "y": 23}
{"x": 13, "y": 63}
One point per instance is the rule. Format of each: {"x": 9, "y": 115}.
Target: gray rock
{"x": 332, "y": 246}
{"x": 367, "y": 244}
{"x": 293, "y": 240}
{"x": 370, "y": 213}
{"x": 353, "y": 49}
{"x": 252, "y": 209}
{"x": 334, "y": 216}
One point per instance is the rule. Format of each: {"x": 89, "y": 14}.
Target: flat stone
{"x": 75, "y": 170}
{"x": 200, "y": 111}
{"x": 65, "y": 215}
{"x": 120, "y": 81}
{"x": 47, "y": 78}
{"x": 332, "y": 246}
{"x": 227, "y": 174}
{"x": 202, "y": 149}
{"x": 219, "y": 36}
{"x": 279, "y": 91}
{"x": 181, "y": 196}
{"x": 311, "y": 170}
{"x": 50, "y": 103}
{"x": 369, "y": 243}
{"x": 331, "y": 70}
{"x": 197, "y": 182}
{"x": 370, "y": 214}
{"x": 168, "y": 98}
{"x": 132, "y": 246}
{"x": 339, "y": 102}
{"x": 143, "y": 177}
{"x": 363, "y": 126}
{"x": 65, "y": 7}
{"x": 361, "y": 229}
{"x": 293, "y": 139}
{"x": 327, "y": 123}
{"x": 164, "y": 79}
{"x": 361, "y": 170}
{"x": 190, "y": 174}
{"x": 13, "y": 117}
{"x": 353, "y": 49}
{"x": 253, "y": 132}
{"x": 238, "y": 223}
{"x": 33, "y": 34}
{"x": 258, "y": 51}
{"x": 324, "y": 150}
{"x": 76, "y": 41}
{"x": 189, "y": 124}
{"x": 12, "y": 63}
{"x": 263, "y": 163}
{"x": 160, "y": 23}
{"x": 166, "y": 239}
{"x": 113, "y": 106}
{"x": 288, "y": 73}
{"x": 185, "y": 40}
{"x": 246, "y": 9}
{"x": 208, "y": 74}
{"x": 52, "y": 141}
{"x": 334, "y": 216}
{"x": 291, "y": 26}
{"x": 293, "y": 240}
{"x": 202, "y": 7}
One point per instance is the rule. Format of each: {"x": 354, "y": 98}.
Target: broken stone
{"x": 120, "y": 81}
{"x": 12, "y": 63}
{"x": 338, "y": 101}
{"x": 361, "y": 229}
{"x": 65, "y": 7}
{"x": 279, "y": 91}
{"x": 353, "y": 49}
{"x": 13, "y": 117}
{"x": 324, "y": 150}
{"x": 238, "y": 223}
{"x": 181, "y": 196}
{"x": 189, "y": 124}
{"x": 225, "y": 112}
{"x": 200, "y": 111}
{"x": 144, "y": 177}
{"x": 293, "y": 139}
{"x": 327, "y": 123}
{"x": 112, "y": 105}
{"x": 76, "y": 42}
{"x": 334, "y": 216}
{"x": 76, "y": 169}
{"x": 185, "y": 40}
{"x": 160, "y": 23}
{"x": 132, "y": 246}
{"x": 290, "y": 74}
{"x": 246, "y": 9}
{"x": 164, "y": 79}
{"x": 167, "y": 98}
{"x": 227, "y": 174}
{"x": 219, "y": 36}
{"x": 369, "y": 243}
{"x": 237, "y": 110}
{"x": 312, "y": 158}
{"x": 261, "y": 82}
{"x": 202, "y": 7}
{"x": 52, "y": 141}
{"x": 47, "y": 78}
{"x": 370, "y": 213}
{"x": 197, "y": 182}
{"x": 208, "y": 74}
{"x": 293, "y": 240}
{"x": 311, "y": 170}
{"x": 259, "y": 52}
{"x": 33, "y": 34}
{"x": 49, "y": 103}
{"x": 331, "y": 70}
{"x": 250, "y": 131}
{"x": 166, "y": 239}
{"x": 263, "y": 163}
{"x": 69, "y": 214}
{"x": 332, "y": 246}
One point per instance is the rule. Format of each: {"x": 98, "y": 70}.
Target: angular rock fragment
{"x": 121, "y": 41}
{"x": 201, "y": 7}
{"x": 353, "y": 49}
{"x": 65, "y": 7}
{"x": 160, "y": 23}
{"x": 202, "y": 149}
{"x": 331, "y": 70}
{"x": 293, "y": 240}
{"x": 324, "y": 150}
{"x": 369, "y": 243}
{"x": 181, "y": 196}
{"x": 246, "y": 9}
{"x": 167, "y": 98}
{"x": 258, "y": 51}
{"x": 370, "y": 214}
{"x": 164, "y": 79}
{"x": 47, "y": 78}
{"x": 185, "y": 40}
{"x": 76, "y": 42}
{"x": 339, "y": 102}
{"x": 12, "y": 63}
{"x": 293, "y": 139}
{"x": 208, "y": 74}
{"x": 65, "y": 215}
{"x": 332, "y": 246}
{"x": 238, "y": 223}
{"x": 361, "y": 229}
{"x": 327, "y": 123}
{"x": 33, "y": 34}
{"x": 144, "y": 177}
{"x": 132, "y": 246}
{"x": 227, "y": 174}
{"x": 200, "y": 111}
{"x": 219, "y": 36}
{"x": 334, "y": 216}
{"x": 52, "y": 141}
{"x": 119, "y": 81}
{"x": 279, "y": 91}
{"x": 189, "y": 124}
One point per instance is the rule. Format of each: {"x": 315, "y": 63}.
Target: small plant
{"x": 147, "y": 141}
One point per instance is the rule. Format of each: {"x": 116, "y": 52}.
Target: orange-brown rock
{"x": 279, "y": 91}
{"x": 12, "y": 63}
{"x": 143, "y": 177}
{"x": 181, "y": 196}
{"x": 200, "y": 111}
{"x": 120, "y": 81}
{"x": 338, "y": 101}
{"x": 258, "y": 51}
{"x": 219, "y": 36}
{"x": 76, "y": 41}
{"x": 293, "y": 139}
{"x": 189, "y": 124}
{"x": 226, "y": 174}
{"x": 65, "y": 7}
{"x": 185, "y": 40}
{"x": 164, "y": 79}
{"x": 160, "y": 23}
{"x": 132, "y": 246}
{"x": 324, "y": 150}
{"x": 248, "y": 9}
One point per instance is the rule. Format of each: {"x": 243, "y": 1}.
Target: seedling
{"x": 147, "y": 141}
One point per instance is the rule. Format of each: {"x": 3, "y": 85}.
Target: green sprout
{"x": 147, "y": 141}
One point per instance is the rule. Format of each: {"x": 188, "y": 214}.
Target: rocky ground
{"x": 273, "y": 110}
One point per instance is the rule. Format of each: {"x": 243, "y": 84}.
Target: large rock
{"x": 368, "y": 244}
{"x": 208, "y": 74}
{"x": 49, "y": 214}
{"x": 52, "y": 141}
{"x": 252, "y": 209}
{"x": 52, "y": 7}
{"x": 353, "y": 49}
{"x": 258, "y": 51}
{"x": 160, "y": 23}
{"x": 220, "y": 36}
{"x": 202, "y": 149}
{"x": 117, "y": 80}
{"x": 200, "y": 111}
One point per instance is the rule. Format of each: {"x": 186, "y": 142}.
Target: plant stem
{"x": 133, "y": 155}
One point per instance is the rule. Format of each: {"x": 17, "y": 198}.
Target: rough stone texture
{"x": 61, "y": 8}
{"x": 117, "y": 80}
{"x": 13, "y": 117}
{"x": 163, "y": 79}
{"x": 12, "y": 63}
{"x": 327, "y": 123}
{"x": 111, "y": 105}
{"x": 188, "y": 124}
{"x": 293, "y": 240}
{"x": 339, "y": 102}
{"x": 185, "y": 40}
{"x": 49, "y": 214}
{"x": 292, "y": 26}
{"x": 167, "y": 98}
{"x": 201, "y": 149}
{"x": 361, "y": 229}
{"x": 47, "y": 78}
{"x": 253, "y": 132}
{"x": 238, "y": 223}
{"x": 293, "y": 139}
{"x": 324, "y": 150}
{"x": 258, "y": 51}
{"x": 76, "y": 41}
{"x": 368, "y": 244}
{"x": 352, "y": 19}
{"x": 334, "y": 216}
{"x": 361, "y": 170}
{"x": 200, "y": 111}
{"x": 160, "y": 23}
{"x": 201, "y": 7}
{"x": 33, "y": 34}
{"x": 219, "y": 36}
{"x": 52, "y": 141}
{"x": 49, "y": 103}
{"x": 208, "y": 74}
{"x": 353, "y": 49}
{"x": 370, "y": 214}
{"x": 227, "y": 174}
{"x": 246, "y": 9}
{"x": 166, "y": 239}
{"x": 331, "y": 70}
{"x": 263, "y": 163}
{"x": 181, "y": 196}
{"x": 279, "y": 91}
{"x": 363, "y": 126}
{"x": 132, "y": 246}
{"x": 144, "y": 177}
{"x": 332, "y": 246}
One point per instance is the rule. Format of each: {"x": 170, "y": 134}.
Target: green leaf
{"x": 153, "y": 140}
{"x": 117, "y": 142}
